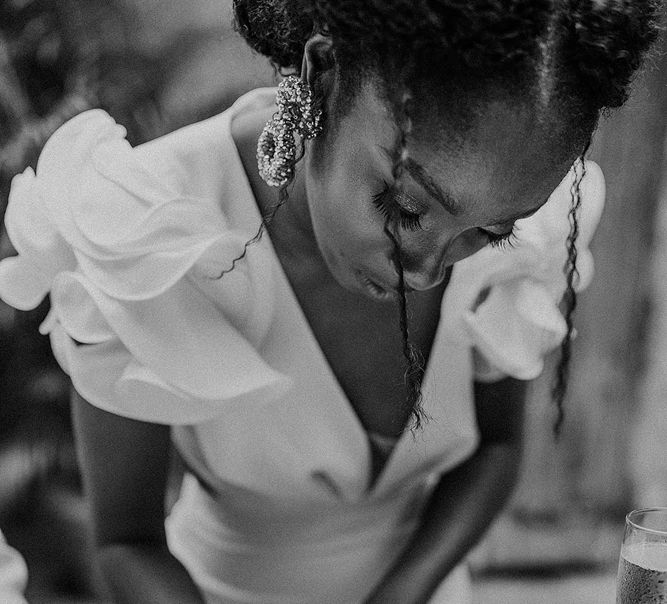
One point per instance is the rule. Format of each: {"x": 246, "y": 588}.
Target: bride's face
{"x": 458, "y": 193}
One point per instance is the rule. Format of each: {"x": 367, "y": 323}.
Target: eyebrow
{"x": 424, "y": 179}
{"x": 454, "y": 207}
{"x": 421, "y": 176}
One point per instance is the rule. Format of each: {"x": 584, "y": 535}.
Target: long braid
{"x": 570, "y": 296}
{"x": 414, "y": 371}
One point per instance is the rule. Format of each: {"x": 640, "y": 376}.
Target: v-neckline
{"x": 372, "y": 481}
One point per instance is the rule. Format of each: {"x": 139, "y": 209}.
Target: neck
{"x": 296, "y": 211}
{"x": 291, "y": 224}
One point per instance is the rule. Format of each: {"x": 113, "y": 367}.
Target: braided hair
{"x": 572, "y": 59}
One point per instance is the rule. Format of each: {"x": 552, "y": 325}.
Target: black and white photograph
{"x": 333, "y": 301}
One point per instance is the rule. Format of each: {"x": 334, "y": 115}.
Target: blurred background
{"x": 156, "y": 65}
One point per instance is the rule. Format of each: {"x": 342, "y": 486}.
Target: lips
{"x": 375, "y": 289}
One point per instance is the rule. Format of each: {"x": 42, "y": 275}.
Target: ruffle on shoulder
{"x": 509, "y": 301}
{"x": 140, "y": 318}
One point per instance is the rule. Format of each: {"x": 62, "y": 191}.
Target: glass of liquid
{"x": 642, "y": 569}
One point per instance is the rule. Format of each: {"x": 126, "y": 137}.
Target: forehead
{"x": 502, "y": 159}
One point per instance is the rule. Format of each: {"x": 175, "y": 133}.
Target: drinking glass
{"x": 642, "y": 569}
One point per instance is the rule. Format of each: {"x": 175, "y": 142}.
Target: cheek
{"x": 465, "y": 244}
{"x": 341, "y": 208}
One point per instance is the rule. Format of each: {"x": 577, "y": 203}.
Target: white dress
{"x": 13, "y": 574}
{"x": 130, "y": 244}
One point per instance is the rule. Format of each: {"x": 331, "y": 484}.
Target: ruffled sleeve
{"x": 505, "y": 302}
{"x": 139, "y": 317}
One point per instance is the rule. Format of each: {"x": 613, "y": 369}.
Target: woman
{"x": 343, "y": 378}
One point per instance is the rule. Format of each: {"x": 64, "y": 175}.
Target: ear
{"x": 318, "y": 59}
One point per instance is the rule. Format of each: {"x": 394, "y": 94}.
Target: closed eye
{"x": 501, "y": 240}
{"x": 394, "y": 207}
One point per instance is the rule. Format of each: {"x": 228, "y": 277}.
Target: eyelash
{"x": 386, "y": 204}
{"x": 504, "y": 241}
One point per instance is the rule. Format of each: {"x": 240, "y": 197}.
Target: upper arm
{"x": 500, "y": 410}
{"x": 124, "y": 464}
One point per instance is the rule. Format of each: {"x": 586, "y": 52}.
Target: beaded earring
{"x": 295, "y": 121}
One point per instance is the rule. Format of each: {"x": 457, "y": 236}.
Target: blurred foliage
{"x": 57, "y": 58}
{"x": 60, "y": 57}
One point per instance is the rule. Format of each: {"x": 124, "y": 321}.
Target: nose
{"x": 430, "y": 270}
{"x": 466, "y": 244}
{"x": 423, "y": 268}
